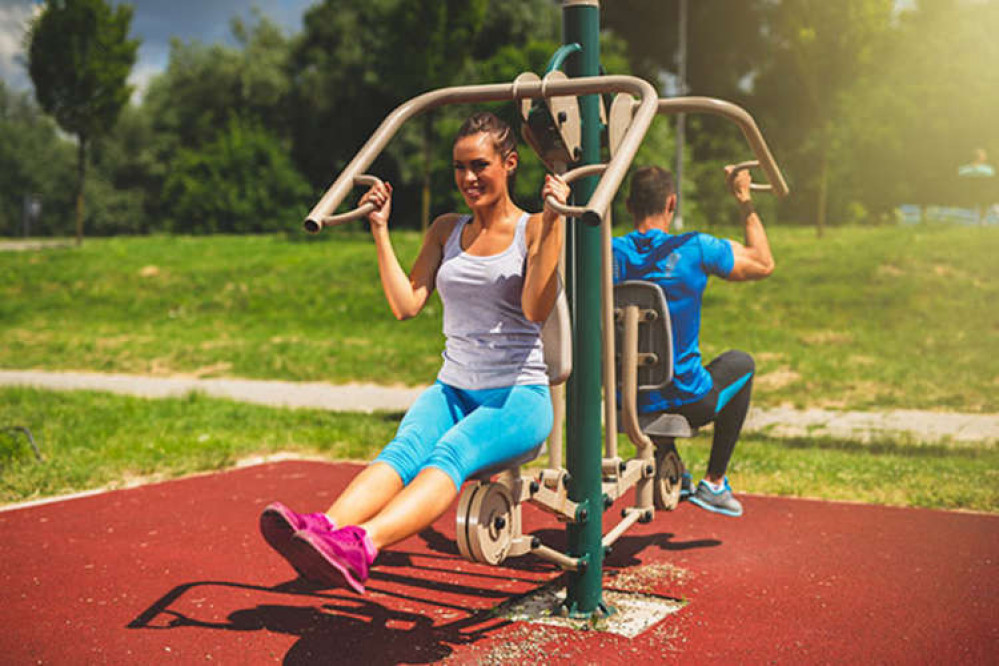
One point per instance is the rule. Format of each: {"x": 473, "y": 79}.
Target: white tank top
{"x": 490, "y": 343}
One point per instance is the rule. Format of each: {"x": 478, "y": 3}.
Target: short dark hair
{"x": 651, "y": 186}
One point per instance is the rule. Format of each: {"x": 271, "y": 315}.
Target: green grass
{"x": 885, "y": 472}
{"x": 870, "y": 318}
{"x": 246, "y": 306}
{"x": 864, "y": 318}
{"x": 91, "y": 440}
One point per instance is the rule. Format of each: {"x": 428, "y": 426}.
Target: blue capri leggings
{"x": 462, "y": 431}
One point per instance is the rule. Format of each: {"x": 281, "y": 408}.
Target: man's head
{"x": 980, "y": 156}
{"x": 652, "y": 197}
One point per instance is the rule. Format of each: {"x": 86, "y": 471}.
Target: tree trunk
{"x": 81, "y": 173}
{"x": 428, "y": 153}
{"x": 820, "y": 214}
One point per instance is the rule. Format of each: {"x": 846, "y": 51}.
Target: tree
{"x": 79, "y": 58}
{"x": 725, "y": 44}
{"x": 242, "y": 182}
{"x": 34, "y": 162}
{"x": 726, "y": 47}
{"x": 204, "y": 84}
{"x": 819, "y": 51}
{"x": 431, "y": 43}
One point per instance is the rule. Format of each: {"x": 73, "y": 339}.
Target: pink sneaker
{"x": 278, "y": 524}
{"x": 334, "y": 558}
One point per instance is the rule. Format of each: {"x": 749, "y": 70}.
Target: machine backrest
{"x": 556, "y": 335}
{"x": 655, "y": 334}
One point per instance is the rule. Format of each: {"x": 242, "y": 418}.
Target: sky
{"x": 154, "y": 22}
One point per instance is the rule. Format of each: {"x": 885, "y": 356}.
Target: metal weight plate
{"x": 666, "y": 490}
{"x": 461, "y": 531}
{"x": 490, "y": 523}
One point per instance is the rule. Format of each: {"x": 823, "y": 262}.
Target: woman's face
{"x": 480, "y": 172}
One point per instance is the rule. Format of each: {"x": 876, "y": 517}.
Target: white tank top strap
{"x": 520, "y": 236}
{"x": 453, "y": 244}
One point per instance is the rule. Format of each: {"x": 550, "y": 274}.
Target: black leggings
{"x": 727, "y": 404}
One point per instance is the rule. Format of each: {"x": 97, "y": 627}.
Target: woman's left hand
{"x": 559, "y": 190}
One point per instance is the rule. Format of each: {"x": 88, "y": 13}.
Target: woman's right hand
{"x": 381, "y": 196}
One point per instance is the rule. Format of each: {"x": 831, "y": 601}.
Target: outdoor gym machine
{"x": 567, "y": 131}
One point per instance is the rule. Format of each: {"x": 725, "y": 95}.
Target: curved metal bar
{"x": 568, "y": 177}
{"x": 31, "y": 439}
{"x": 740, "y": 117}
{"x": 745, "y": 166}
{"x": 592, "y": 85}
{"x": 629, "y": 379}
{"x": 357, "y": 214}
{"x": 561, "y": 55}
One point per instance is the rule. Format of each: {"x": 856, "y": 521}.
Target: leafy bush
{"x": 242, "y": 182}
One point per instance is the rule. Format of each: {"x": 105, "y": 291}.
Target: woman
{"x": 496, "y": 271}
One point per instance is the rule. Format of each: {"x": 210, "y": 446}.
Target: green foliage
{"x": 79, "y": 59}
{"x": 128, "y": 176}
{"x": 938, "y": 88}
{"x": 357, "y": 60}
{"x": 725, "y": 40}
{"x": 205, "y": 84}
{"x": 872, "y": 103}
{"x": 242, "y": 182}
{"x": 34, "y": 161}
{"x": 113, "y": 210}
{"x": 819, "y": 51}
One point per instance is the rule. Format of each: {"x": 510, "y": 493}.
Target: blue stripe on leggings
{"x": 729, "y": 391}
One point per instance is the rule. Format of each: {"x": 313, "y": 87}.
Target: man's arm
{"x": 753, "y": 261}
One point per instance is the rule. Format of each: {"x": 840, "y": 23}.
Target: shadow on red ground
{"x": 176, "y": 572}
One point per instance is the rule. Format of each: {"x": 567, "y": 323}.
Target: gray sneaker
{"x": 722, "y": 502}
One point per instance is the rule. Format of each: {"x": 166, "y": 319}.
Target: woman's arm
{"x": 406, "y": 294}
{"x": 544, "y": 247}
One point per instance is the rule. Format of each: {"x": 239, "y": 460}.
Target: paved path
{"x": 32, "y": 244}
{"x": 920, "y": 426}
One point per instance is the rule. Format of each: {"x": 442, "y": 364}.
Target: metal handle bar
{"x": 746, "y": 166}
{"x": 601, "y": 198}
{"x": 358, "y": 213}
{"x": 568, "y": 177}
{"x": 740, "y": 117}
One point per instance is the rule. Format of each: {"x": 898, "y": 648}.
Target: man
{"x": 979, "y": 166}
{"x": 681, "y": 265}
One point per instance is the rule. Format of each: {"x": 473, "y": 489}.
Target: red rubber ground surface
{"x": 177, "y": 573}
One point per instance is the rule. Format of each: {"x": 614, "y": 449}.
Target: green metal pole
{"x": 581, "y": 25}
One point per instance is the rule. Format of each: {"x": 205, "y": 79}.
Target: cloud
{"x": 154, "y": 22}
{"x": 14, "y": 20}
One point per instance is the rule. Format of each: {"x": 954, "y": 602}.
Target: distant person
{"x": 981, "y": 194}
{"x": 496, "y": 272}
{"x": 979, "y": 167}
{"x": 681, "y": 265}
